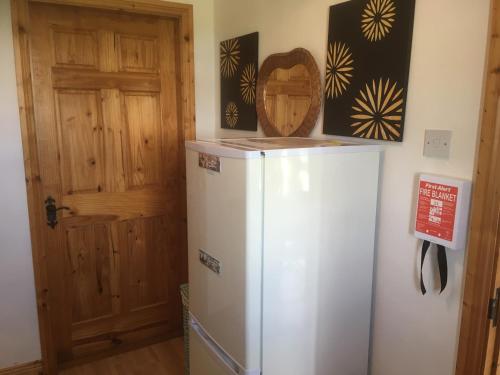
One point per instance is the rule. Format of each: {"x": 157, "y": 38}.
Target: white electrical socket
{"x": 437, "y": 143}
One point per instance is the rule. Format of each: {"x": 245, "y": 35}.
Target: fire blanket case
{"x": 442, "y": 218}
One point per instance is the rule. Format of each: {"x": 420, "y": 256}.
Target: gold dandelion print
{"x": 231, "y": 114}
{"x": 339, "y": 69}
{"x": 229, "y": 57}
{"x": 377, "y": 19}
{"x": 378, "y": 111}
{"x": 248, "y": 84}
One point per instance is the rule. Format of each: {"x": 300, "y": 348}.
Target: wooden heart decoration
{"x": 288, "y": 94}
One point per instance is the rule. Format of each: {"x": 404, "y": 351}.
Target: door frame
{"x": 183, "y": 14}
{"x": 482, "y": 256}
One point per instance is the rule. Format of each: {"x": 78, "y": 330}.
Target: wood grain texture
{"x": 165, "y": 358}
{"x": 142, "y": 118}
{"x": 81, "y": 140}
{"x": 137, "y": 54}
{"x": 89, "y": 257}
{"x": 149, "y": 259}
{"x": 98, "y": 238}
{"x": 21, "y": 32}
{"x": 114, "y": 154}
{"x": 116, "y": 206}
{"x": 75, "y": 47}
{"x": 288, "y": 98}
{"x": 83, "y": 79}
{"x": 482, "y": 261}
{"x": 105, "y": 344}
{"x": 288, "y": 94}
{"x": 149, "y": 7}
{"x": 32, "y": 368}
{"x": 493, "y": 344}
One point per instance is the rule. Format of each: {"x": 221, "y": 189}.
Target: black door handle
{"x": 51, "y": 210}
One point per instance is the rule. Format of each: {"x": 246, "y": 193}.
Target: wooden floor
{"x": 166, "y": 358}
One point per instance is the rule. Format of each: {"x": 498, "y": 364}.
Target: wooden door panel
{"x": 111, "y": 146}
{"x": 137, "y": 54}
{"x": 65, "y": 78}
{"x": 112, "y": 120}
{"x": 142, "y": 119}
{"x": 75, "y": 48}
{"x": 90, "y": 258}
{"x": 117, "y": 206}
{"x": 81, "y": 141}
{"x": 148, "y": 249}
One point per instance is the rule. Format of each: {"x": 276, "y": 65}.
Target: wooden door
{"x": 492, "y": 365}
{"x": 491, "y": 346}
{"x": 478, "y": 351}
{"x": 110, "y": 149}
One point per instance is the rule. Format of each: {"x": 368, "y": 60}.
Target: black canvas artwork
{"x": 238, "y": 80}
{"x": 368, "y": 63}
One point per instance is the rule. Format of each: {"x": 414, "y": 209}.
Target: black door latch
{"x": 51, "y": 210}
{"x": 493, "y": 308}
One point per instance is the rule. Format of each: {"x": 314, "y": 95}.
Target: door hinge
{"x": 493, "y": 308}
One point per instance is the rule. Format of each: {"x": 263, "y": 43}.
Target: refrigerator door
{"x": 320, "y": 215}
{"x": 208, "y": 357}
{"x": 225, "y": 251}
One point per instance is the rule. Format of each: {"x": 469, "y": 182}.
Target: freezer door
{"x": 207, "y": 357}
{"x": 225, "y": 252}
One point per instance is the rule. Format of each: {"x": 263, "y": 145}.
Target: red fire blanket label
{"x": 436, "y": 209}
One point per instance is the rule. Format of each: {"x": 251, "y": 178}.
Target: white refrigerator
{"x": 281, "y": 250}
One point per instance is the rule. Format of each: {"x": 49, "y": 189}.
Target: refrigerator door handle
{"x": 216, "y": 349}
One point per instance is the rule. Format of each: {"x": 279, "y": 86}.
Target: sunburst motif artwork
{"x": 248, "y": 84}
{"x": 377, "y": 19}
{"x": 378, "y": 111}
{"x": 229, "y": 57}
{"x": 238, "y": 82}
{"x": 339, "y": 69}
{"x": 372, "y": 103}
{"x": 231, "y": 114}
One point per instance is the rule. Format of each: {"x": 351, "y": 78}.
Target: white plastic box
{"x": 443, "y": 210}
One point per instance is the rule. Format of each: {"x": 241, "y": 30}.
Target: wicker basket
{"x": 185, "y": 314}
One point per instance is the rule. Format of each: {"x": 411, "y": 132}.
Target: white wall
{"x": 412, "y": 334}
{"x": 19, "y": 341}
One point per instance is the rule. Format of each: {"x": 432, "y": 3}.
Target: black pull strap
{"x": 425, "y": 247}
{"x": 442, "y": 262}
{"x": 443, "y": 267}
